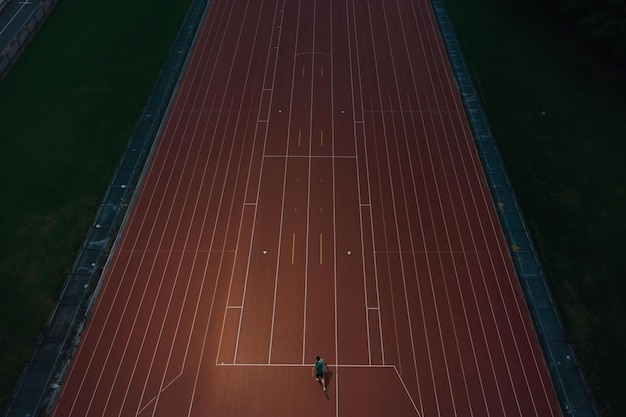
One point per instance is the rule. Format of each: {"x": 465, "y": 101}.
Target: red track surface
{"x": 315, "y": 191}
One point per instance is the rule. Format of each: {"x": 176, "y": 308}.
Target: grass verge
{"x": 67, "y": 111}
{"x": 560, "y": 124}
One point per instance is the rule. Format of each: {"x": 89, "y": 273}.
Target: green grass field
{"x": 567, "y": 167}
{"x": 67, "y": 111}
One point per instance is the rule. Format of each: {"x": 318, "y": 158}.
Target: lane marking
{"x": 305, "y": 365}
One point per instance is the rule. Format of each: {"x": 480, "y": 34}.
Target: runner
{"x": 318, "y": 369}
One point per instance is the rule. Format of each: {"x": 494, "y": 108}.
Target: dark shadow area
{"x": 328, "y": 376}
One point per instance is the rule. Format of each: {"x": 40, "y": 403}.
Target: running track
{"x": 314, "y": 191}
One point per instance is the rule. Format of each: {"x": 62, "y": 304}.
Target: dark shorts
{"x": 319, "y": 375}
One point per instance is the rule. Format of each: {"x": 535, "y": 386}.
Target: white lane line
{"x": 258, "y": 190}
{"x": 239, "y": 231}
{"x": 220, "y": 206}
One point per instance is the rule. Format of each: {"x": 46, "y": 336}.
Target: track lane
{"x": 315, "y": 191}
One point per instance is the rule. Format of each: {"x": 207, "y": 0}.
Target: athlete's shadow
{"x": 328, "y": 376}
